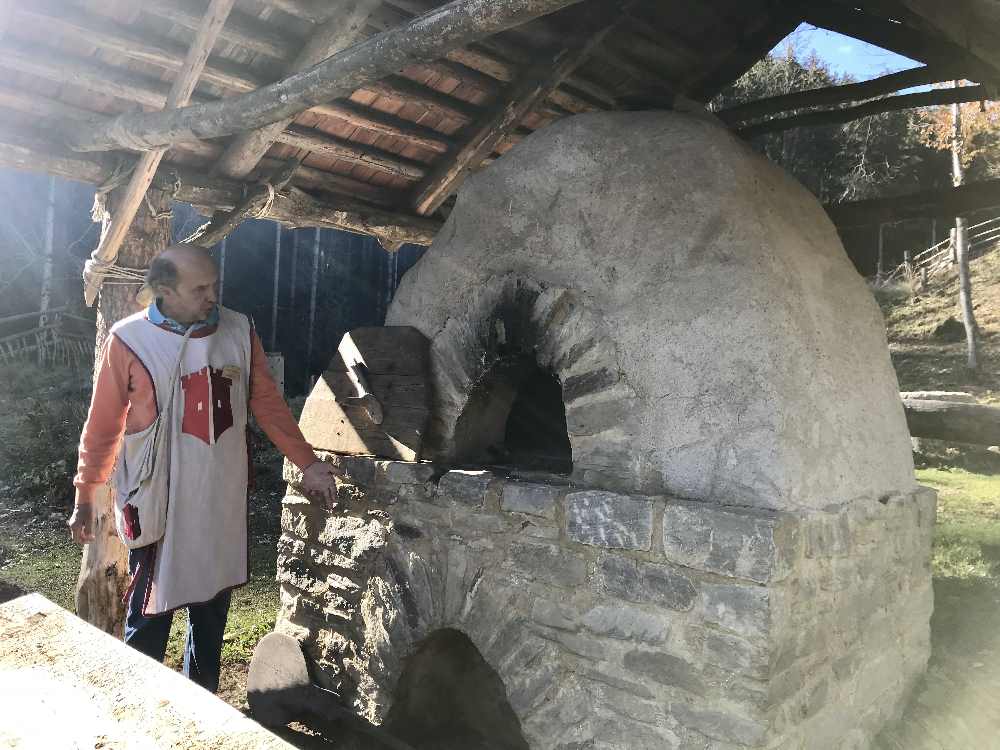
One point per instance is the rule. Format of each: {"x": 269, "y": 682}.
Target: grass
{"x": 967, "y": 536}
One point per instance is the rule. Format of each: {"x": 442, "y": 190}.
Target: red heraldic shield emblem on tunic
{"x": 207, "y": 409}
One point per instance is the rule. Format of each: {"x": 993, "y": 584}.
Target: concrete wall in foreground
{"x": 712, "y": 338}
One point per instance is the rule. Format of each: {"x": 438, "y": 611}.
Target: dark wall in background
{"x": 354, "y": 282}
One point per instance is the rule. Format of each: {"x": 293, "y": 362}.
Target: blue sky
{"x": 844, "y": 54}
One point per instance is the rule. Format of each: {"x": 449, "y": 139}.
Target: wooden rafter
{"x": 50, "y": 113}
{"x": 141, "y": 89}
{"x": 833, "y": 95}
{"x": 427, "y": 37}
{"x": 145, "y": 169}
{"x": 932, "y": 98}
{"x": 503, "y": 116}
{"x": 292, "y": 207}
{"x": 166, "y": 54}
{"x": 332, "y": 36}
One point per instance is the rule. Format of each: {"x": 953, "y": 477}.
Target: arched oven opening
{"x": 516, "y": 418}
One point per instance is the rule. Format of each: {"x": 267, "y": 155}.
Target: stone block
{"x": 649, "y": 583}
{"x": 605, "y": 519}
{"x": 403, "y": 472}
{"x": 548, "y": 563}
{"x": 531, "y": 498}
{"x": 666, "y": 669}
{"x": 719, "y": 725}
{"x": 736, "y": 542}
{"x": 554, "y": 615}
{"x": 466, "y": 487}
{"x": 736, "y": 654}
{"x": 626, "y": 623}
{"x": 740, "y": 609}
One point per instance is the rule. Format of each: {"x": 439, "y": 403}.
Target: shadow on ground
{"x": 956, "y": 706}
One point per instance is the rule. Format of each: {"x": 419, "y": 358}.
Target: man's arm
{"x": 102, "y": 433}
{"x": 275, "y": 418}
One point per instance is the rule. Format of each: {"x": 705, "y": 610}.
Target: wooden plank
{"x": 142, "y": 175}
{"x": 67, "y": 684}
{"x": 395, "y": 362}
{"x": 426, "y": 38}
{"x": 383, "y": 350}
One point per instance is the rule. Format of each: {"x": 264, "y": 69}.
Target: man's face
{"x": 195, "y": 293}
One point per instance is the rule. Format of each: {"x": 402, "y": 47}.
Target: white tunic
{"x": 204, "y": 548}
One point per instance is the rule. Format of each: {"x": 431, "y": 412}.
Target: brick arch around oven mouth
{"x": 512, "y": 315}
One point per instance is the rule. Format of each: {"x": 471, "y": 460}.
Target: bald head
{"x": 184, "y": 279}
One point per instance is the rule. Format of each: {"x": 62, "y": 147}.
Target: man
{"x": 220, "y": 372}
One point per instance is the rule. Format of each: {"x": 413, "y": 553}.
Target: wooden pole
{"x": 50, "y": 221}
{"x": 962, "y": 243}
{"x": 103, "y": 569}
{"x": 879, "y": 265}
{"x": 878, "y": 106}
{"x": 832, "y": 95}
{"x": 222, "y": 268}
{"x": 312, "y": 300}
{"x": 425, "y": 38}
{"x": 274, "y": 294}
{"x": 142, "y": 176}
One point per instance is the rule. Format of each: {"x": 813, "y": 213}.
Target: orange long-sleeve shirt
{"x": 124, "y": 401}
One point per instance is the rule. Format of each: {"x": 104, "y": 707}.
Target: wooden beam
{"x": 50, "y": 113}
{"x": 145, "y": 169}
{"x": 314, "y": 11}
{"x": 832, "y": 95}
{"x": 337, "y": 33}
{"x": 950, "y": 201}
{"x": 426, "y": 38}
{"x": 355, "y": 153}
{"x": 436, "y": 102}
{"x": 241, "y": 29}
{"x": 59, "y": 17}
{"x": 168, "y": 55}
{"x": 141, "y": 89}
{"x": 953, "y": 421}
{"x": 503, "y": 116}
{"x": 931, "y": 98}
{"x": 962, "y": 25}
{"x": 292, "y": 207}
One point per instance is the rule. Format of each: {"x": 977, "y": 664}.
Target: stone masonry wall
{"x": 616, "y": 621}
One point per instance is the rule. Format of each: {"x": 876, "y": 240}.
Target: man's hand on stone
{"x": 81, "y": 523}
{"x": 319, "y": 481}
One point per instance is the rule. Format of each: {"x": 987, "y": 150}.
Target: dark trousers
{"x": 206, "y": 626}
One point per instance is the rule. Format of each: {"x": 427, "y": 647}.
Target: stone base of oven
{"x": 615, "y": 621}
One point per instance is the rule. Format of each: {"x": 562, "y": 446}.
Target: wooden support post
{"x": 50, "y": 225}
{"x": 312, "y": 302}
{"x": 274, "y": 293}
{"x": 962, "y": 244}
{"x": 145, "y": 170}
{"x": 103, "y": 570}
{"x": 427, "y": 37}
{"x": 879, "y": 264}
{"x": 222, "y": 268}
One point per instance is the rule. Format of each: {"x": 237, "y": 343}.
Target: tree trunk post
{"x": 104, "y": 569}
{"x": 961, "y": 245}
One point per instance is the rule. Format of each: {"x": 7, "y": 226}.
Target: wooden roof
{"x": 394, "y": 143}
